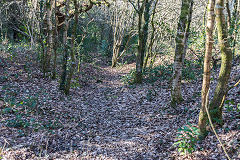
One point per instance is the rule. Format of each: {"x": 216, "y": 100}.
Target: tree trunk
{"x": 65, "y": 57}
{"x": 234, "y": 27}
{"x": 55, "y": 37}
{"x": 143, "y": 21}
{"x": 115, "y": 39}
{"x": 228, "y": 14}
{"x": 73, "y": 50}
{"x": 145, "y": 27}
{"x": 226, "y": 64}
{"x": 187, "y": 31}
{"x": 207, "y": 63}
{"x": 41, "y": 35}
{"x": 121, "y": 22}
{"x": 152, "y": 39}
{"x": 118, "y": 33}
{"x": 48, "y": 55}
{"x": 176, "y": 95}
{"x": 138, "y": 76}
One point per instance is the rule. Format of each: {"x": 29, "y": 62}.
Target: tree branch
{"x": 137, "y": 10}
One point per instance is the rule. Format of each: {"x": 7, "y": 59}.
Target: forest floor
{"x": 103, "y": 118}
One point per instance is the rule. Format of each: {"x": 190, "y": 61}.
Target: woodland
{"x": 120, "y": 79}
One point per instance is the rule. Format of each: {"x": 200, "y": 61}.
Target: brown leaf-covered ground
{"x": 102, "y": 118}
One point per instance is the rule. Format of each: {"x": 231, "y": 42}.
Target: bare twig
{"x": 137, "y": 10}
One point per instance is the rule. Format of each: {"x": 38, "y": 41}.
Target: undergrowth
{"x": 187, "y": 138}
{"x": 25, "y": 113}
{"x": 191, "y": 71}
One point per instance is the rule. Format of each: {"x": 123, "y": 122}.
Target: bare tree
{"x": 121, "y": 22}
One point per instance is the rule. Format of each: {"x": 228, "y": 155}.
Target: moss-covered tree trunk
{"x": 176, "y": 95}
{"x": 207, "y": 62}
{"x": 65, "y": 57}
{"x": 48, "y": 55}
{"x": 143, "y": 22}
{"x": 226, "y": 64}
{"x": 73, "y": 49}
{"x": 187, "y": 30}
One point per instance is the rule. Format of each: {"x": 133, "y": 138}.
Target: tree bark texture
{"x": 118, "y": 34}
{"x": 229, "y": 19}
{"x": 65, "y": 57}
{"x": 233, "y": 32}
{"x": 226, "y": 64}
{"x": 207, "y": 63}
{"x": 48, "y": 55}
{"x": 143, "y": 22}
{"x": 55, "y": 46}
{"x": 187, "y": 30}
{"x": 73, "y": 49}
{"x": 176, "y": 95}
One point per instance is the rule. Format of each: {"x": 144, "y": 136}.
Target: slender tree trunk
{"x": 73, "y": 50}
{"x": 55, "y": 37}
{"x": 152, "y": 39}
{"x": 187, "y": 31}
{"x": 41, "y": 36}
{"x": 126, "y": 46}
{"x": 116, "y": 48}
{"x": 138, "y": 76}
{"x": 110, "y": 38}
{"x": 145, "y": 27}
{"x": 226, "y": 64}
{"x": 48, "y": 55}
{"x": 176, "y": 95}
{"x": 228, "y": 14}
{"x": 234, "y": 27}
{"x": 207, "y": 63}
{"x": 115, "y": 43}
{"x": 118, "y": 34}
{"x": 65, "y": 58}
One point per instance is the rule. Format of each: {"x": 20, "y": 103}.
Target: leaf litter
{"x": 103, "y": 118}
